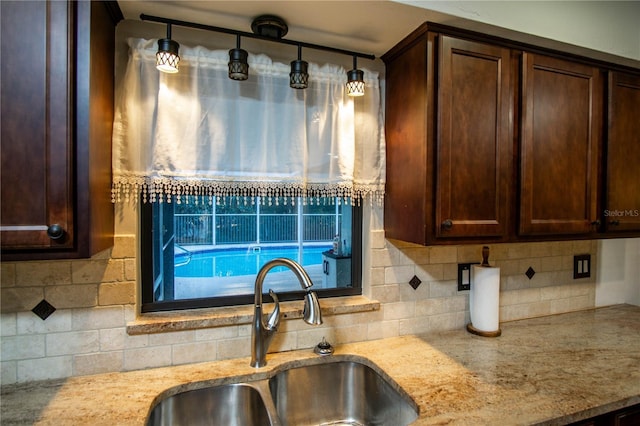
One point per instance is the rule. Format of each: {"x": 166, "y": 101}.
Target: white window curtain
{"x": 198, "y": 132}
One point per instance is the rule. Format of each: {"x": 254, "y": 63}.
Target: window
{"x": 206, "y": 251}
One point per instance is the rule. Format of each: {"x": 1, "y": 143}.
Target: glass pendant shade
{"x": 238, "y": 65}
{"x": 299, "y": 77}
{"x": 355, "y": 82}
{"x": 167, "y": 58}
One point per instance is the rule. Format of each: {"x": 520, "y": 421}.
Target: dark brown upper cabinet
{"x": 449, "y": 140}
{"x": 57, "y": 113}
{"x": 560, "y": 133}
{"x": 622, "y": 193}
{"x": 473, "y": 139}
{"x": 493, "y": 140}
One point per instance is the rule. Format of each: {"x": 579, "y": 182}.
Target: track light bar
{"x": 161, "y": 20}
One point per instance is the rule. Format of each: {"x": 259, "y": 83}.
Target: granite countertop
{"x": 549, "y": 370}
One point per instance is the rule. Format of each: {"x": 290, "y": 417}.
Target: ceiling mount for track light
{"x": 270, "y": 26}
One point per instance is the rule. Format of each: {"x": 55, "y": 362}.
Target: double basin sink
{"x": 333, "y": 391}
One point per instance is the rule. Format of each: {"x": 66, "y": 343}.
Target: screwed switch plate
{"x": 464, "y": 275}
{"x": 581, "y": 266}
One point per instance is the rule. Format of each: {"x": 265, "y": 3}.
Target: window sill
{"x": 161, "y": 322}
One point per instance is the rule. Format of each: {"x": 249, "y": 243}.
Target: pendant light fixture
{"x": 167, "y": 58}
{"x": 265, "y": 27}
{"x": 299, "y": 76}
{"x": 238, "y": 65}
{"x": 355, "y": 80}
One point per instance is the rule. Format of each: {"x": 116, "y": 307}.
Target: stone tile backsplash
{"x": 96, "y": 298}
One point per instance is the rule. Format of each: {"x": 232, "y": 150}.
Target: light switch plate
{"x": 464, "y": 275}
{"x": 581, "y": 266}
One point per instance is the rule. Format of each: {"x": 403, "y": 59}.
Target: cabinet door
{"x": 474, "y": 139}
{"x": 622, "y": 206}
{"x": 36, "y": 122}
{"x": 560, "y": 138}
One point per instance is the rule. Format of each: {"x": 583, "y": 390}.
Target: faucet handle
{"x": 274, "y": 317}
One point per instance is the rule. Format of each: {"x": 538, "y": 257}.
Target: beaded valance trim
{"x": 170, "y": 189}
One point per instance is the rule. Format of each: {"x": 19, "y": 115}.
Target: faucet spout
{"x": 262, "y": 333}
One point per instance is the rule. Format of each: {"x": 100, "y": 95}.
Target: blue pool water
{"x": 245, "y": 261}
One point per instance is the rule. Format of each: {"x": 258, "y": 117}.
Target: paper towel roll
{"x": 484, "y": 298}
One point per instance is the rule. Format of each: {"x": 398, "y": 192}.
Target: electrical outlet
{"x": 464, "y": 276}
{"x": 581, "y": 266}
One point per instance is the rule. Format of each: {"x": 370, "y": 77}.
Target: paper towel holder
{"x": 470, "y": 327}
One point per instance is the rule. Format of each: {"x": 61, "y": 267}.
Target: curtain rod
{"x": 161, "y": 20}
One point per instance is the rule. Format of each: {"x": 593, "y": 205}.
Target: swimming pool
{"x": 243, "y": 261}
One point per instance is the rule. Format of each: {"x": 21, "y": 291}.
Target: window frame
{"x": 148, "y": 305}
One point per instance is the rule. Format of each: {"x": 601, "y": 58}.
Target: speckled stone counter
{"x": 549, "y": 370}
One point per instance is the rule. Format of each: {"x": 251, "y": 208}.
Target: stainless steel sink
{"x": 339, "y": 393}
{"x": 332, "y": 391}
{"x": 229, "y": 405}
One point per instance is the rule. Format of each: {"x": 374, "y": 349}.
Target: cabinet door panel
{"x": 560, "y": 131}
{"x": 622, "y": 207}
{"x": 36, "y": 124}
{"x": 474, "y": 139}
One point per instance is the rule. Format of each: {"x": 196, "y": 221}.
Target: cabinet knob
{"x": 55, "y": 231}
{"x": 614, "y": 222}
{"x": 447, "y": 224}
{"x": 596, "y": 222}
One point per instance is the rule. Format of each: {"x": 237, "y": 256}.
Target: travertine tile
{"x": 377, "y": 240}
{"x": 8, "y": 325}
{"x": 414, "y": 255}
{"x": 381, "y": 257}
{"x": 141, "y": 358}
{"x": 72, "y": 296}
{"x": 20, "y": 299}
{"x": 443, "y": 254}
{"x": 519, "y": 251}
{"x": 98, "y": 318}
{"x": 130, "y": 270}
{"x": 444, "y": 289}
{"x": 551, "y": 263}
{"x": 9, "y": 372}
{"x": 72, "y": 342}
{"x": 117, "y": 293}
{"x": 30, "y": 274}
{"x": 188, "y": 353}
{"x": 124, "y": 246}
{"x": 97, "y": 363}
{"x": 376, "y": 276}
{"x": 399, "y": 310}
{"x": 382, "y": 329}
{"x": 581, "y": 246}
{"x": 22, "y": 347}
{"x": 439, "y": 306}
{"x": 398, "y": 274}
{"x": 526, "y": 310}
{"x": 471, "y": 253}
{"x": 45, "y": 368}
{"x": 30, "y": 323}
{"x": 94, "y": 271}
{"x": 428, "y": 273}
{"x": 172, "y": 338}
{"x": 234, "y": 348}
{"x": 7, "y": 274}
